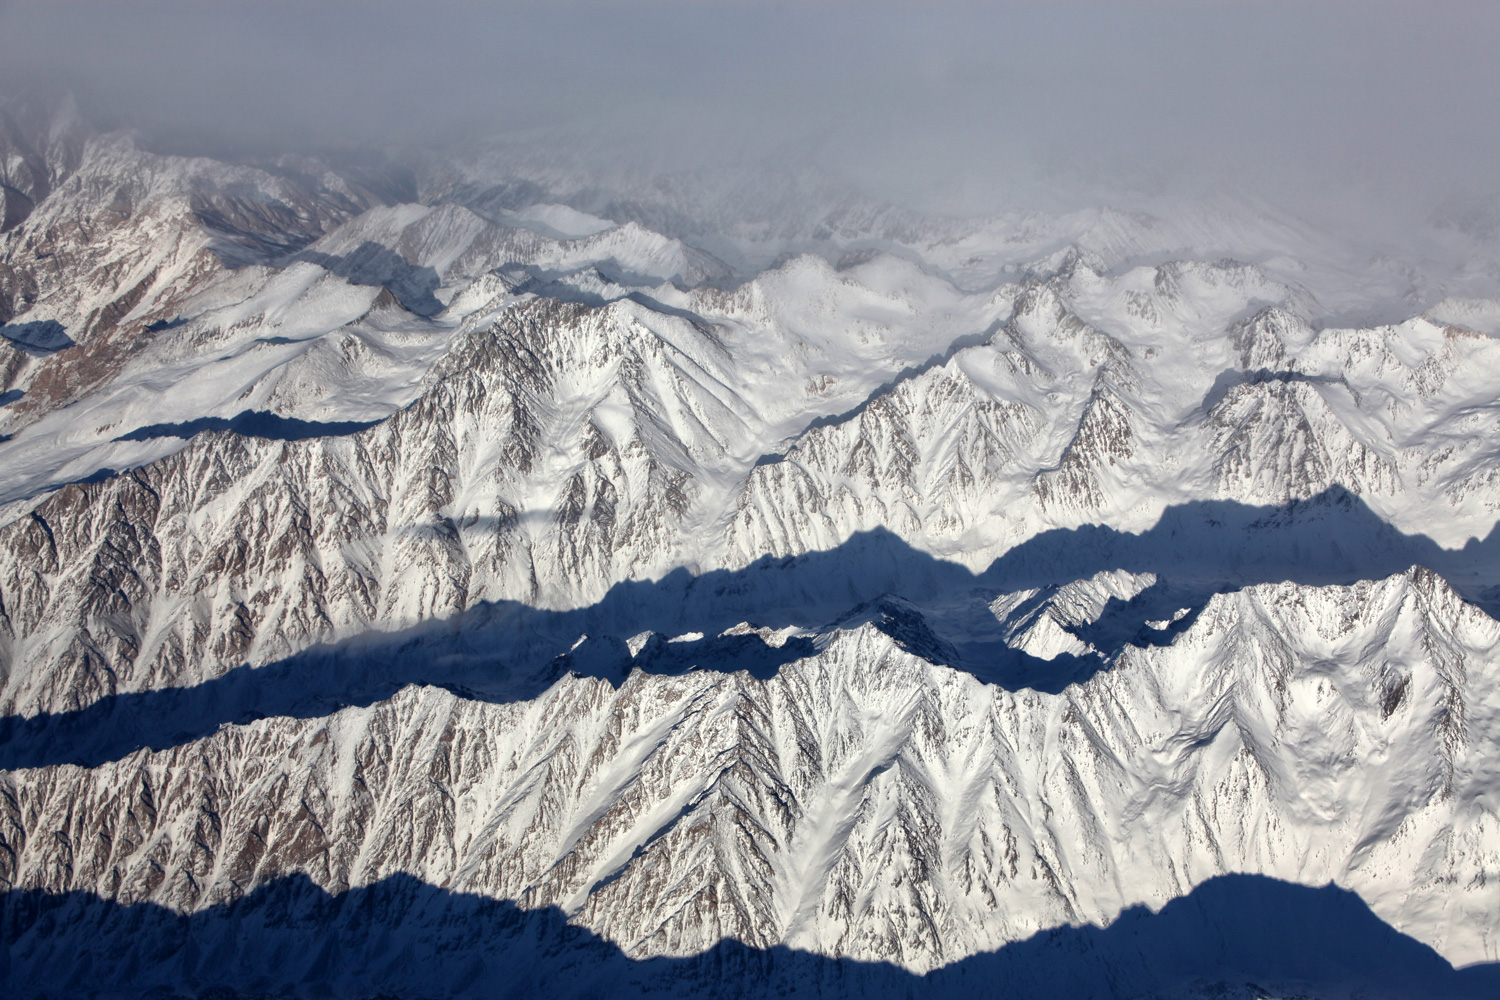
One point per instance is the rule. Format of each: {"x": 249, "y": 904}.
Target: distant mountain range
{"x": 459, "y": 574}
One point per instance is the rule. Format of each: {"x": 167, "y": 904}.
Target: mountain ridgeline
{"x": 447, "y": 577}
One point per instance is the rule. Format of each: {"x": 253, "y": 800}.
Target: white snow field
{"x": 412, "y": 588}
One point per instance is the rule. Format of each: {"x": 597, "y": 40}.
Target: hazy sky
{"x": 935, "y": 103}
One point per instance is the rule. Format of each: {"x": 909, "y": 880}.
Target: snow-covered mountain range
{"x": 461, "y": 576}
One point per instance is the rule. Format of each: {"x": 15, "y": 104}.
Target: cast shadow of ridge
{"x": 507, "y": 651}
{"x": 372, "y": 264}
{"x": 38, "y": 337}
{"x": 1231, "y": 936}
{"x": 252, "y": 423}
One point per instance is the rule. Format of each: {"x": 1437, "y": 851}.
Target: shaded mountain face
{"x": 460, "y": 567}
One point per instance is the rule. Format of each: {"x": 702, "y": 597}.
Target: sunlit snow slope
{"x": 466, "y": 569}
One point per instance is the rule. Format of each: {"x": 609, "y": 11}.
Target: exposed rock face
{"x": 842, "y": 610}
{"x": 862, "y": 801}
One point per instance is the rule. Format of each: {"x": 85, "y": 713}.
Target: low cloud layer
{"x": 1390, "y": 105}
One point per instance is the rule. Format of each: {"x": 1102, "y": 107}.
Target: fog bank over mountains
{"x": 1373, "y": 115}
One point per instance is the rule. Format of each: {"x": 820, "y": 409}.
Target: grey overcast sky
{"x": 930, "y": 102}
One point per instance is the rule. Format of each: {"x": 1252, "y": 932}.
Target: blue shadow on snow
{"x": 1232, "y": 936}
{"x": 251, "y": 423}
{"x": 506, "y": 650}
{"x": 38, "y": 337}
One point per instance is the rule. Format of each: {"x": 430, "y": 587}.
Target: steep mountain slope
{"x": 862, "y": 801}
{"x": 366, "y": 529}
{"x": 564, "y": 448}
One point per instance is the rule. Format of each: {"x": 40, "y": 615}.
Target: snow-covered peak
{"x": 680, "y": 567}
